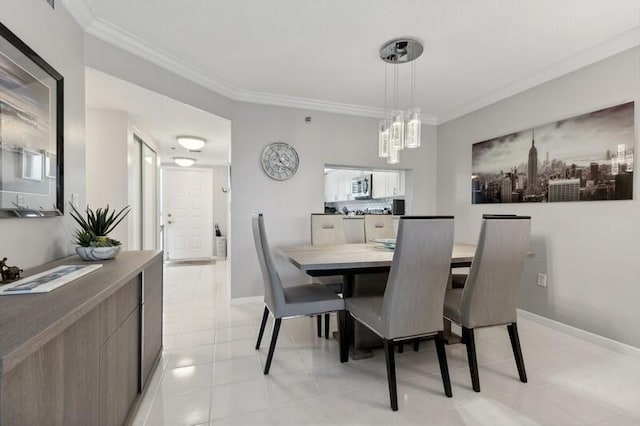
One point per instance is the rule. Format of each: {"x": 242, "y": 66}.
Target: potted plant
{"x": 95, "y": 226}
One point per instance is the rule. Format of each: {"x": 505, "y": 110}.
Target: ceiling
{"x": 324, "y": 54}
{"x": 162, "y": 118}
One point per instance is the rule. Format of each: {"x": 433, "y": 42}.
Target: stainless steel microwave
{"x": 361, "y": 187}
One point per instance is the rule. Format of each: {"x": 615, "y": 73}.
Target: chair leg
{"x": 416, "y": 345}
{"x": 319, "y": 322}
{"x": 400, "y": 347}
{"x": 343, "y": 317}
{"x": 517, "y": 351}
{"x": 442, "y": 360}
{"x": 272, "y": 346}
{"x": 262, "y": 325}
{"x": 327, "y": 323}
{"x": 391, "y": 373}
{"x": 469, "y": 340}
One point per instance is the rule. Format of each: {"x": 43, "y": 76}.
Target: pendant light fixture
{"x": 399, "y": 130}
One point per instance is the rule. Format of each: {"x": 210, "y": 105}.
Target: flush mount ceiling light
{"x": 399, "y": 129}
{"x": 192, "y": 143}
{"x": 184, "y": 161}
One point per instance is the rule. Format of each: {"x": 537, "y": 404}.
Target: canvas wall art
{"x": 584, "y": 158}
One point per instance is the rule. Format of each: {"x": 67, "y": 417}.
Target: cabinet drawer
{"x": 119, "y": 374}
{"x": 117, "y": 308}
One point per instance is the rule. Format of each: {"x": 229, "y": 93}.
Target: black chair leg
{"x": 416, "y": 345}
{"x": 400, "y": 347}
{"x": 262, "y": 325}
{"x": 327, "y": 323}
{"x": 469, "y": 340}
{"x": 343, "y": 318}
{"x": 444, "y": 366}
{"x": 391, "y": 373}
{"x": 272, "y": 346}
{"x": 517, "y": 351}
{"x": 319, "y": 322}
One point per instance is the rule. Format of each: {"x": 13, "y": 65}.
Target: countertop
{"x": 29, "y": 321}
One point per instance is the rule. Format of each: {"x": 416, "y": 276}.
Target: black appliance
{"x": 397, "y": 207}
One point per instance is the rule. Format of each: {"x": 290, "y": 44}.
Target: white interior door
{"x": 188, "y": 213}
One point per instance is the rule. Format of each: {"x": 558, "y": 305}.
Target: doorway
{"x": 188, "y": 213}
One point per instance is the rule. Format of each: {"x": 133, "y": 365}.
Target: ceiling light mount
{"x": 192, "y": 143}
{"x": 401, "y": 50}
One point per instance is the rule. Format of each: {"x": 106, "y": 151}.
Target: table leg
{"x": 356, "y": 353}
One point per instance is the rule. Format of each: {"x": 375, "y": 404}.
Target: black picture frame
{"x": 57, "y": 115}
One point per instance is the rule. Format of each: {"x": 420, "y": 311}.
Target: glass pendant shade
{"x": 383, "y": 139}
{"x": 396, "y": 136}
{"x": 414, "y": 129}
{"x": 394, "y": 157}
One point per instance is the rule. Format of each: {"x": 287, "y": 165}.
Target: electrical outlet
{"x": 542, "y": 280}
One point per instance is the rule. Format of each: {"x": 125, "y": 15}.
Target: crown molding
{"x": 80, "y": 11}
{"x": 116, "y": 36}
{"x": 599, "y": 52}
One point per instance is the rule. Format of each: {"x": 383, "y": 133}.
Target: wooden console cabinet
{"x": 83, "y": 353}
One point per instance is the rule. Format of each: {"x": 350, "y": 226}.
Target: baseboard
{"x": 605, "y": 342}
{"x": 244, "y": 300}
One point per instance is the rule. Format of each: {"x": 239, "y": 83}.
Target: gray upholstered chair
{"x": 378, "y": 226}
{"x": 458, "y": 278}
{"x": 413, "y": 299}
{"x": 327, "y": 229}
{"x": 490, "y": 292}
{"x": 286, "y": 302}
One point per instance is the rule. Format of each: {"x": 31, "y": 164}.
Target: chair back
{"x": 489, "y": 296}
{"x": 414, "y": 297}
{"x": 327, "y": 229}
{"x": 273, "y": 293}
{"x": 378, "y": 226}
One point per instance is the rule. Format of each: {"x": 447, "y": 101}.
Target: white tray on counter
{"x": 49, "y": 280}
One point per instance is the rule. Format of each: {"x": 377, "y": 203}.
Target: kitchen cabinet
{"x": 388, "y": 184}
{"x": 337, "y": 185}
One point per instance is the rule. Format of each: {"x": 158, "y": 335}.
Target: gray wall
{"x": 589, "y": 250}
{"x": 328, "y": 139}
{"x": 55, "y": 36}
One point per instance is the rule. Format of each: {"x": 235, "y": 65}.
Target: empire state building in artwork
{"x": 532, "y": 168}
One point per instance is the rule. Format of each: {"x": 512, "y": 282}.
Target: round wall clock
{"x": 280, "y": 161}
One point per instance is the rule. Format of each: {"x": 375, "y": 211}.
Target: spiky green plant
{"x": 84, "y": 238}
{"x": 101, "y": 221}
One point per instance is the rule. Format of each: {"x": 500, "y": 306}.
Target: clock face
{"x": 280, "y": 161}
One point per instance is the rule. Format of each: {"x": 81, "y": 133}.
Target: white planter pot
{"x": 98, "y": 253}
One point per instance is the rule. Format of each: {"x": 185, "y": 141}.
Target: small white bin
{"x": 221, "y": 248}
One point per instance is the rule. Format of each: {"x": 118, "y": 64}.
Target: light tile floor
{"x": 210, "y": 373}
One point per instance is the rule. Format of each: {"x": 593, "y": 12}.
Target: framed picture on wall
{"x": 31, "y": 129}
{"x": 589, "y": 157}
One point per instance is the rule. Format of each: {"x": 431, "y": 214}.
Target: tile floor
{"x": 210, "y": 373}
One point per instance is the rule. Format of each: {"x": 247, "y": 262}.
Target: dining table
{"x": 356, "y": 262}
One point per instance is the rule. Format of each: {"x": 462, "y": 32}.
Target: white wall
{"x": 220, "y": 198}
{"x": 108, "y": 174}
{"x": 589, "y": 250}
{"x": 56, "y": 37}
{"x": 328, "y": 139}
